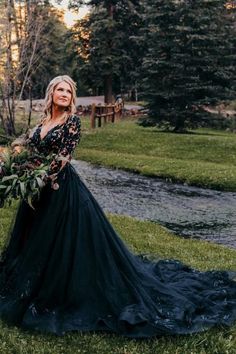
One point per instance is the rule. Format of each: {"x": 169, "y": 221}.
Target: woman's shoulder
{"x": 74, "y": 119}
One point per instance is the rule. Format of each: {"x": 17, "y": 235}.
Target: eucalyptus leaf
{"x": 29, "y": 200}
{"x": 23, "y": 175}
{"x": 41, "y": 184}
{"x": 7, "y": 178}
{"x": 14, "y": 182}
{"x": 8, "y": 190}
{"x": 22, "y": 189}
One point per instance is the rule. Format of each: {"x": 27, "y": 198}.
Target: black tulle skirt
{"x": 65, "y": 268}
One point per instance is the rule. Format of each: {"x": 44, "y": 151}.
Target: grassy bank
{"x": 203, "y": 158}
{"x": 141, "y": 237}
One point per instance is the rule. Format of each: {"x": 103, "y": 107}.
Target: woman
{"x": 65, "y": 268}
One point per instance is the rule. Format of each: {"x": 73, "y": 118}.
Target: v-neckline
{"x": 40, "y": 126}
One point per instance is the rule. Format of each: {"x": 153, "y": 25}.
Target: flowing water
{"x": 188, "y": 211}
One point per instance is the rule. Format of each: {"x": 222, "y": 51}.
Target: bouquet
{"x": 22, "y": 175}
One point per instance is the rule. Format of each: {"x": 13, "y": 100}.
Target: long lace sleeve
{"x": 70, "y": 139}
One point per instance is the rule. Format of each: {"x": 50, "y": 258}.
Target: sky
{"x": 70, "y": 17}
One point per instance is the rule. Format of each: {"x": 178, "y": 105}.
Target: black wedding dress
{"x": 64, "y": 267}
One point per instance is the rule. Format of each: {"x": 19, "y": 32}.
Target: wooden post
{"x": 117, "y": 111}
{"x": 121, "y": 111}
{"x": 92, "y": 118}
{"x": 113, "y": 114}
{"x": 105, "y": 116}
{"x": 99, "y": 122}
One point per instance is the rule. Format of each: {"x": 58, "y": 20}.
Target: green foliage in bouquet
{"x": 22, "y": 175}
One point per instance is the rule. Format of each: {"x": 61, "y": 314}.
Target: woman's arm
{"x": 19, "y": 143}
{"x": 70, "y": 139}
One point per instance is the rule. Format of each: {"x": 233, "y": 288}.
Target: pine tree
{"x": 190, "y": 59}
{"x": 112, "y": 52}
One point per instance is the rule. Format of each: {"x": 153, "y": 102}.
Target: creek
{"x": 187, "y": 211}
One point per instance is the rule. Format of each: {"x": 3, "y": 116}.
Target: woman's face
{"x": 62, "y": 95}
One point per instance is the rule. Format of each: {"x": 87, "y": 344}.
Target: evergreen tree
{"x": 87, "y": 71}
{"x": 190, "y": 59}
{"x": 112, "y": 54}
{"x": 131, "y": 48}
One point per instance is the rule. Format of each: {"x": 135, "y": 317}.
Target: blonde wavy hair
{"x": 71, "y": 109}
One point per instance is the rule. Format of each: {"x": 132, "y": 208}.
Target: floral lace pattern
{"x": 61, "y": 139}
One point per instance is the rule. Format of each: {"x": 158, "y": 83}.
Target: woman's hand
{"x": 17, "y": 149}
{"x": 52, "y": 180}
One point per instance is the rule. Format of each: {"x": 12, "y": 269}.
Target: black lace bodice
{"x": 61, "y": 140}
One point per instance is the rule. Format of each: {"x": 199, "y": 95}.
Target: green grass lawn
{"x": 141, "y": 237}
{"x": 204, "y": 157}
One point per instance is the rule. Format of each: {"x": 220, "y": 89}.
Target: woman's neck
{"x": 57, "y": 112}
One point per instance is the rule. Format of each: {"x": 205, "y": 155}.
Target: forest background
{"x": 178, "y": 56}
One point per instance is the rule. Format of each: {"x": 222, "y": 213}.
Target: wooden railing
{"x": 102, "y": 114}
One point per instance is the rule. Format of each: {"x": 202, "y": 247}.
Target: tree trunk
{"x": 108, "y": 89}
{"x": 108, "y": 79}
{"x": 9, "y": 77}
{"x": 180, "y": 125}
{"x": 110, "y": 10}
{"x": 30, "y": 108}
